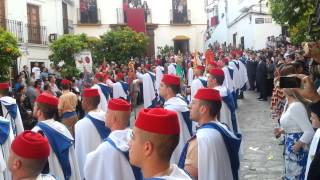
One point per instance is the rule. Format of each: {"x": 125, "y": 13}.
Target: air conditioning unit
{"x": 53, "y": 37}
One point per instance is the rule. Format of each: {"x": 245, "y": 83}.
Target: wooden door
{"x": 2, "y": 14}
{"x": 65, "y": 18}
{"x": 34, "y": 28}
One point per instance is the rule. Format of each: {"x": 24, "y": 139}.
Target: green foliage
{"x": 165, "y": 51}
{"x": 9, "y": 52}
{"x": 69, "y": 72}
{"x": 295, "y": 14}
{"x": 121, "y": 44}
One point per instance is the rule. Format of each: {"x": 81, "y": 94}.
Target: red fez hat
{"x": 99, "y": 75}
{"x": 47, "y": 99}
{"x": 120, "y": 75}
{"x": 213, "y": 63}
{"x": 65, "y": 82}
{"x": 119, "y": 105}
{"x": 148, "y": 66}
{"x": 208, "y": 94}
{"x": 31, "y": 145}
{"x": 171, "y": 79}
{"x": 201, "y": 68}
{"x": 4, "y": 85}
{"x": 216, "y": 72}
{"x": 89, "y": 92}
{"x": 158, "y": 120}
{"x": 225, "y": 60}
{"x": 233, "y": 53}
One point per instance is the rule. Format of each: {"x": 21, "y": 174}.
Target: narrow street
{"x": 262, "y": 155}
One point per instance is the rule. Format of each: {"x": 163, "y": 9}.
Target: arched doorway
{"x": 181, "y": 43}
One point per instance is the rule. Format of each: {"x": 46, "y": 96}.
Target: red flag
{"x": 135, "y": 17}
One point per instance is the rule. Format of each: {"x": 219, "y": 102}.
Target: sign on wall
{"x": 83, "y": 61}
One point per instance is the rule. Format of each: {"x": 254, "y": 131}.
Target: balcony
{"x": 37, "y": 34}
{"x": 121, "y": 17}
{"x": 14, "y": 27}
{"x": 180, "y": 18}
{"x": 89, "y": 16}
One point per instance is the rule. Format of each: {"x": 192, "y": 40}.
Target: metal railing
{"x": 14, "y": 27}
{"x": 89, "y": 16}
{"x": 37, "y": 34}
{"x": 178, "y": 17}
{"x": 122, "y": 19}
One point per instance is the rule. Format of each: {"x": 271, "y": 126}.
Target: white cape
{"x": 172, "y": 69}
{"x": 178, "y": 105}
{"x": 45, "y": 177}
{"x": 5, "y": 174}
{"x": 190, "y": 76}
{"x": 87, "y": 138}
{"x": 148, "y": 88}
{"x": 196, "y": 84}
{"x": 228, "y": 81}
{"x": 213, "y": 157}
{"x": 54, "y": 165}
{"x": 6, "y": 100}
{"x": 118, "y": 91}
{"x": 240, "y": 76}
{"x": 176, "y": 174}
{"x": 159, "y": 75}
{"x": 103, "y": 105}
{"x": 108, "y": 163}
{"x": 312, "y": 151}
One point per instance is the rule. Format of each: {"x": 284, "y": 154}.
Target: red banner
{"x": 135, "y": 17}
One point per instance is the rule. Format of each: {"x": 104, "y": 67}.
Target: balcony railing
{"x": 177, "y": 17}
{"x": 14, "y": 27}
{"x": 122, "y": 19}
{"x": 89, "y": 16}
{"x": 37, "y": 34}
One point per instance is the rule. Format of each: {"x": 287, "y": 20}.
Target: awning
{"x": 181, "y": 37}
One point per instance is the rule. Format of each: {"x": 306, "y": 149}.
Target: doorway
{"x": 242, "y": 42}
{"x": 181, "y": 46}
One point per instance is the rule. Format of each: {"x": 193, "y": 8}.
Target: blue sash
{"x": 184, "y": 152}
{"x": 60, "y": 144}
{"x": 12, "y": 111}
{"x": 100, "y": 126}
{"x": 4, "y": 131}
{"x": 230, "y": 72}
{"x": 232, "y": 145}
{"x": 105, "y": 90}
{"x": 230, "y": 103}
{"x": 67, "y": 115}
{"x": 136, "y": 171}
{"x": 187, "y": 120}
{"x": 203, "y": 82}
{"x": 125, "y": 87}
{"x": 237, "y": 64}
{"x": 235, "y": 97}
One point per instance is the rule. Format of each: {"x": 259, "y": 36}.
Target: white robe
{"x": 196, "y": 84}
{"x": 54, "y": 165}
{"x": 118, "y": 91}
{"x": 6, "y": 100}
{"x": 240, "y": 76}
{"x": 213, "y": 158}
{"x": 103, "y": 105}
{"x": 159, "y": 75}
{"x": 5, "y": 174}
{"x": 45, "y": 177}
{"x": 107, "y": 162}
{"x": 178, "y": 105}
{"x": 87, "y": 138}
{"x": 228, "y": 81}
{"x": 190, "y": 76}
{"x": 176, "y": 174}
{"x": 148, "y": 88}
{"x": 172, "y": 69}
{"x": 312, "y": 151}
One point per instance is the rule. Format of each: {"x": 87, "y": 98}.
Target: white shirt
{"x": 295, "y": 120}
{"x": 176, "y": 174}
{"x": 36, "y": 71}
{"x": 159, "y": 75}
{"x": 312, "y": 151}
{"x": 87, "y": 137}
{"x": 103, "y": 105}
{"x": 190, "y": 76}
{"x": 171, "y": 69}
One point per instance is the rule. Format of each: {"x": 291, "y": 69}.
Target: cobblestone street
{"x": 262, "y": 156}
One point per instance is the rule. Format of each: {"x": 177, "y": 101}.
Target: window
{"x": 88, "y": 12}
{"x": 268, "y": 20}
{"x": 65, "y": 18}
{"x": 259, "y": 20}
{"x": 33, "y": 24}
{"x": 180, "y": 11}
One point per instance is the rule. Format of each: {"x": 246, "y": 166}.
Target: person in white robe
{"x": 62, "y": 159}
{"x": 27, "y": 162}
{"x": 149, "y": 93}
{"x": 159, "y": 74}
{"x": 110, "y": 160}
{"x": 90, "y": 131}
{"x": 312, "y": 168}
{"x": 10, "y": 110}
{"x": 228, "y": 111}
{"x": 228, "y": 75}
{"x": 154, "y": 129}
{"x": 120, "y": 89}
{"x": 240, "y": 76}
{"x": 172, "y": 66}
{"x": 169, "y": 90}
{"x": 213, "y": 152}
{"x": 7, "y": 137}
{"x": 104, "y": 90}
{"x": 190, "y": 74}
{"x": 199, "y": 81}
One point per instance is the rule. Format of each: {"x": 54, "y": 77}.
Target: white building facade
{"x": 242, "y": 23}
{"x": 35, "y": 23}
{"x": 185, "y": 33}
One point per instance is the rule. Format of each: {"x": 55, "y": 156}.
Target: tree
{"x": 9, "y": 52}
{"x": 298, "y": 16}
{"x": 165, "y": 51}
{"x": 121, "y": 44}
